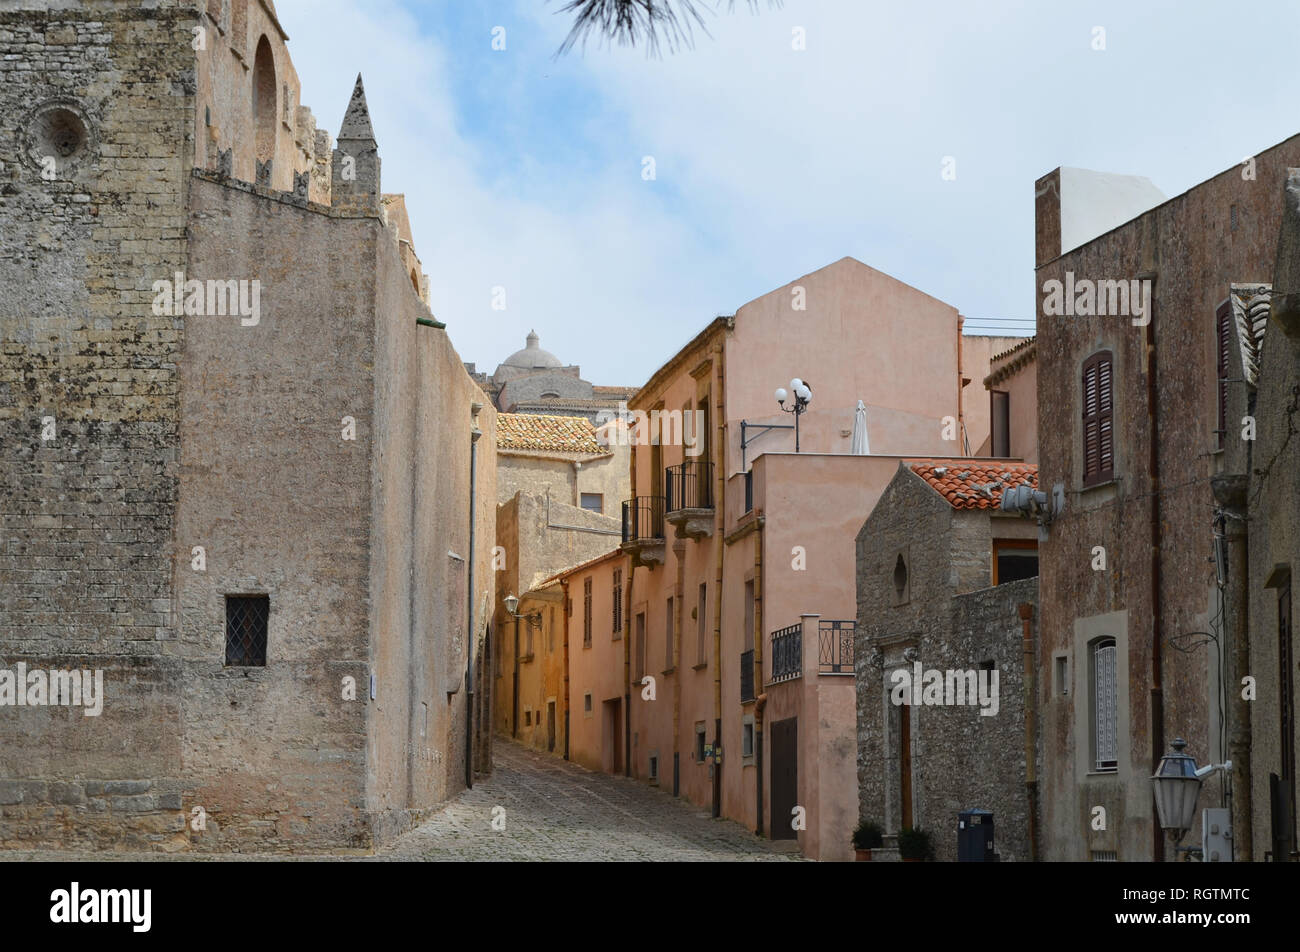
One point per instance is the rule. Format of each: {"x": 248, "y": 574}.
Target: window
{"x": 901, "y": 595}
{"x": 639, "y": 660}
{"x": 1098, "y": 419}
{"x": 749, "y": 616}
{"x": 747, "y": 738}
{"x": 586, "y": 612}
{"x": 1062, "y": 664}
{"x": 528, "y": 717}
{"x": 699, "y": 742}
{"x": 528, "y": 639}
{"x": 618, "y": 604}
{"x": 1014, "y": 559}
{"x": 246, "y": 624}
{"x": 1222, "y": 333}
{"x": 654, "y": 767}
{"x": 668, "y": 637}
{"x": 1001, "y": 409}
{"x": 264, "y": 95}
{"x": 593, "y": 502}
{"x": 550, "y": 632}
{"x": 586, "y": 704}
{"x": 702, "y": 656}
{"x": 1105, "y": 713}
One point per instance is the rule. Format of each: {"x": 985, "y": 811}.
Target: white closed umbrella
{"x": 859, "y": 445}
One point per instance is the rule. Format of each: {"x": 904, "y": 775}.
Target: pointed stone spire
{"x": 354, "y": 165}
{"x": 356, "y": 121}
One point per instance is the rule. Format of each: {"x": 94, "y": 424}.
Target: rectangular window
{"x": 1098, "y": 419}
{"x": 1222, "y": 333}
{"x": 1062, "y": 676}
{"x": 247, "y": 618}
{"x": 586, "y": 612}
{"x": 1001, "y": 407}
{"x": 639, "y": 660}
{"x": 586, "y": 704}
{"x": 668, "y": 637}
{"x": 702, "y": 655}
{"x": 749, "y": 615}
{"x": 594, "y": 502}
{"x": 1014, "y": 559}
{"x": 699, "y": 742}
{"x": 1104, "y": 705}
{"x": 747, "y": 739}
{"x": 618, "y": 604}
{"x": 528, "y": 718}
{"x": 654, "y": 767}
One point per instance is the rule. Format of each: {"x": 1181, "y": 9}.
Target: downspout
{"x": 514, "y": 718}
{"x": 761, "y": 698}
{"x": 1157, "y": 616}
{"x": 564, "y": 587}
{"x": 961, "y": 416}
{"x": 679, "y": 549}
{"x": 1230, "y": 492}
{"x": 1031, "y": 724}
{"x": 474, "y": 434}
{"x": 627, "y": 673}
{"x": 720, "y": 510}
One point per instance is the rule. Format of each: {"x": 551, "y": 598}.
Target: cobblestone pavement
{"x": 553, "y": 811}
{"x": 558, "y": 810}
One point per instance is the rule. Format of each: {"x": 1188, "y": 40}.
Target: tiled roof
{"x": 1012, "y": 361}
{"x": 975, "y": 484}
{"x": 1027, "y": 342}
{"x": 531, "y": 431}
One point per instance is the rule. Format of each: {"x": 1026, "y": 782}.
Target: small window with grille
{"x": 1104, "y": 705}
{"x": 246, "y": 623}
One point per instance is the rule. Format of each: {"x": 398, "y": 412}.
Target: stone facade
{"x": 924, "y": 577}
{"x": 315, "y": 449}
{"x": 1155, "y": 519}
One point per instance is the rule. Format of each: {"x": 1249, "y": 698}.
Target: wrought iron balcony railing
{"x": 787, "y": 653}
{"x": 688, "y": 485}
{"x": 835, "y": 646}
{"x": 643, "y": 519}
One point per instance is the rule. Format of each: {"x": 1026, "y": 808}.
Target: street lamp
{"x": 512, "y": 603}
{"x": 799, "y": 396}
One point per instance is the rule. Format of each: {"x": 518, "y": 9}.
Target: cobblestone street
{"x": 553, "y": 811}
{"x": 557, "y": 810}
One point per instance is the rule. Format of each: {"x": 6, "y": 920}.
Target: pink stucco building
{"x": 739, "y": 593}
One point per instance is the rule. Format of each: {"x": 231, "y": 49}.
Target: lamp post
{"x": 799, "y": 396}
{"x": 1177, "y": 786}
{"x": 534, "y": 618}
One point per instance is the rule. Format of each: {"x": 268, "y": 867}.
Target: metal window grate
{"x": 1105, "y": 700}
{"x": 747, "y": 675}
{"x": 246, "y": 622}
{"x": 787, "y": 653}
{"x": 835, "y": 646}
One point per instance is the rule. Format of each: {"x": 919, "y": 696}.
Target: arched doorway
{"x": 264, "y": 100}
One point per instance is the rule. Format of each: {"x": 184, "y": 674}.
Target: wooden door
{"x": 785, "y": 777}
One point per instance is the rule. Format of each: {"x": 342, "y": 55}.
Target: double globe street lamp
{"x": 799, "y": 396}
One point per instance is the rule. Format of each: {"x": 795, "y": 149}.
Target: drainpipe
{"x": 514, "y": 719}
{"x": 679, "y": 550}
{"x": 1157, "y": 615}
{"x": 564, "y": 588}
{"x": 474, "y": 434}
{"x": 1031, "y": 724}
{"x": 961, "y": 417}
{"x": 1230, "y": 492}
{"x": 761, "y": 698}
{"x": 627, "y": 673}
{"x": 720, "y": 502}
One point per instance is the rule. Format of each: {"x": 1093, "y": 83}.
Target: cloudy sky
{"x": 524, "y": 171}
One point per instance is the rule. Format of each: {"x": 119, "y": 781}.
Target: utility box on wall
{"x": 975, "y": 837}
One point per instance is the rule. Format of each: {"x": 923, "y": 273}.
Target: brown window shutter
{"x": 1098, "y": 419}
{"x": 1223, "y": 330}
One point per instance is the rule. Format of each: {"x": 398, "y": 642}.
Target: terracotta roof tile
{"x": 975, "y": 484}
{"x": 532, "y": 431}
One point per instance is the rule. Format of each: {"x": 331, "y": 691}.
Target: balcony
{"x": 643, "y": 530}
{"x": 787, "y": 653}
{"x": 688, "y": 498}
{"x": 747, "y": 676}
{"x": 835, "y": 646}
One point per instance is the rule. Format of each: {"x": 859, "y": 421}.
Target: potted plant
{"x": 914, "y": 845}
{"x": 866, "y": 837}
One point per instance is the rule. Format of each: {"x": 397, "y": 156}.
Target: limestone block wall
{"x": 96, "y": 117}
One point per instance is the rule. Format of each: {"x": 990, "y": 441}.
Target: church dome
{"x": 532, "y": 357}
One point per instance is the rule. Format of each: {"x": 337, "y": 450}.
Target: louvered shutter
{"x": 1098, "y": 419}
{"x": 1223, "y": 328}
